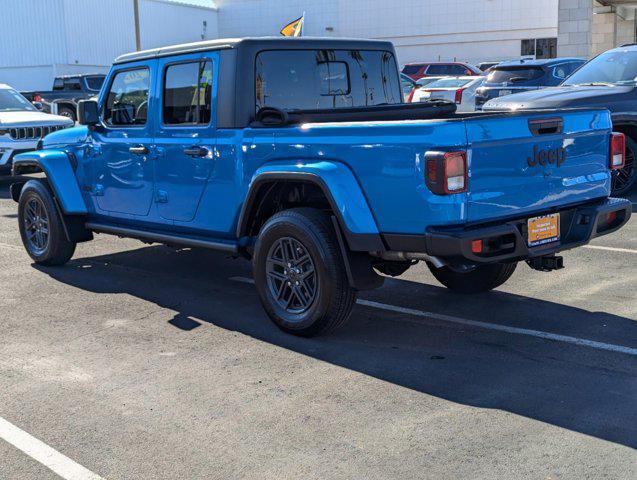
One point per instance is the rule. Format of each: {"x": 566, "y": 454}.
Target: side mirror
{"x": 38, "y": 105}
{"x": 88, "y": 112}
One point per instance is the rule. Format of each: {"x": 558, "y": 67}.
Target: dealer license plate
{"x": 544, "y": 229}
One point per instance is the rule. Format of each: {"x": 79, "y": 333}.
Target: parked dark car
{"x": 486, "y": 66}
{"x": 416, "y": 71}
{"x": 608, "y": 80}
{"x": 67, "y": 91}
{"x": 523, "y": 75}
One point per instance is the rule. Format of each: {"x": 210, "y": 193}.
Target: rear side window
{"x": 438, "y": 70}
{"x": 94, "y": 83}
{"x": 187, "y": 96}
{"x": 58, "y": 84}
{"x": 514, "y": 74}
{"x": 127, "y": 100}
{"x": 446, "y": 69}
{"x": 326, "y": 79}
{"x": 72, "y": 84}
{"x": 411, "y": 69}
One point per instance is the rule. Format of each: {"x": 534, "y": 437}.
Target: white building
{"x": 40, "y": 39}
{"x": 469, "y": 30}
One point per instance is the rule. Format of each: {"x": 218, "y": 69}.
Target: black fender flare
{"x": 359, "y": 242}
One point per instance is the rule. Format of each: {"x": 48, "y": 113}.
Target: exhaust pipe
{"x": 407, "y": 256}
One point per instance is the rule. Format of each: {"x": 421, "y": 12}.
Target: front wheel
{"x": 481, "y": 279}
{"x": 41, "y": 227}
{"x": 300, "y": 273}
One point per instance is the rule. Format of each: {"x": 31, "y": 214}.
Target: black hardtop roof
{"x": 258, "y": 43}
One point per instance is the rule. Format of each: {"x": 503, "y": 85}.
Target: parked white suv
{"x": 22, "y": 126}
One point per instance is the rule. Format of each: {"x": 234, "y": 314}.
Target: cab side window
{"x": 187, "y": 98}
{"x": 127, "y": 100}
{"x": 72, "y": 84}
{"x": 440, "y": 69}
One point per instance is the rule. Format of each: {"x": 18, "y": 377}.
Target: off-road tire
{"x": 481, "y": 279}
{"x": 333, "y": 296}
{"x": 57, "y": 249}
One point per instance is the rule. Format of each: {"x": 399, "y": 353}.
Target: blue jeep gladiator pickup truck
{"x": 300, "y": 155}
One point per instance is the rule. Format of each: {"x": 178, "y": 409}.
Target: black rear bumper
{"x": 506, "y": 241}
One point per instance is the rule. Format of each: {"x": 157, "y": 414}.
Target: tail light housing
{"x": 446, "y": 172}
{"x": 617, "y": 151}
{"x": 459, "y": 95}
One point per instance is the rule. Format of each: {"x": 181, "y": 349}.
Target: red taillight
{"x": 446, "y": 172}
{"x": 37, "y": 97}
{"x": 410, "y": 97}
{"x": 617, "y": 150}
{"x": 459, "y": 95}
{"x": 476, "y": 246}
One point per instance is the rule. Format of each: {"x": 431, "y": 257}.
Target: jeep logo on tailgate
{"x": 554, "y": 156}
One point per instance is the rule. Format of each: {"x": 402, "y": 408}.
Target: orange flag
{"x": 294, "y": 29}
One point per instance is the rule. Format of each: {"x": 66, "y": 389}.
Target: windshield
{"x": 450, "y": 83}
{"x": 612, "y": 68}
{"x": 12, "y": 101}
{"x": 521, "y": 74}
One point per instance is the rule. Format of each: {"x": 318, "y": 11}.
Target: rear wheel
{"x": 481, "y": 279}
{"x": 300, "y": 273}
{"x": 41, "y": 227}
{"x": 625, "y": 178}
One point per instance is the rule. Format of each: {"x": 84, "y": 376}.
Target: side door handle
{"x": 195, "y": 151}
{"x": 139, "y": 150}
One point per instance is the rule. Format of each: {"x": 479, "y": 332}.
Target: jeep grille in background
{"x": 31, "y": 133}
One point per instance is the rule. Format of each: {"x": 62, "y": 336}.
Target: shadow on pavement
{"x": 582, "y": 390}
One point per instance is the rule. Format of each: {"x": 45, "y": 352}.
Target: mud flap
{"x": 358, "y": 265}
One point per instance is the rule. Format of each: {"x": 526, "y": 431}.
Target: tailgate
{"x": 531, "y": 162}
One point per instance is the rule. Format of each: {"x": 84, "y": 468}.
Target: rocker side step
{"x": 229, "y": 246}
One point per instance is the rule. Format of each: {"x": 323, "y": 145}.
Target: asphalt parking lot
{"x": 141, "y": 362}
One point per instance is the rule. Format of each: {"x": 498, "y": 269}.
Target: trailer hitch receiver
{"x": 547, "y": 263}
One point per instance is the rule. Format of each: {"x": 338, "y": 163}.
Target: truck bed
{"x": 437, "y": 109}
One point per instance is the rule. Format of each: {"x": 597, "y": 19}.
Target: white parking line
{"x": 41, "y": 452}
{"x": 582, "y": 342}
{"x": 611, "y": 249}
